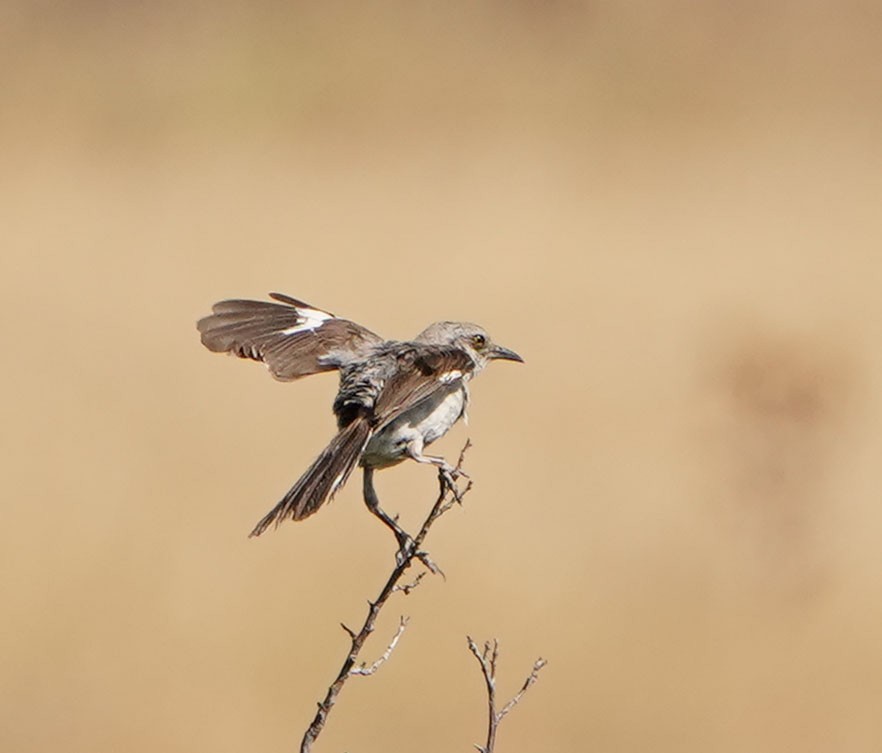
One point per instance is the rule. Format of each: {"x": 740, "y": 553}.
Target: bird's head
{"x": 470, "y": 338}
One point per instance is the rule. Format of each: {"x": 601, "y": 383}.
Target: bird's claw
{"x": 454, "y": 472}
{"x": 407, "y": 551}
{"x": 429, "y": 564}
{"x": 447, "y": 476}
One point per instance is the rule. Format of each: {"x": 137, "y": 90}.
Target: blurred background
{"x": 671, "y": 209}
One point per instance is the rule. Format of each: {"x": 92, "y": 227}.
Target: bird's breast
{"x": 429, "y": 420}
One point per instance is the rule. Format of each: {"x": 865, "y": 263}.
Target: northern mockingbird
{"x": 395, "y": 397}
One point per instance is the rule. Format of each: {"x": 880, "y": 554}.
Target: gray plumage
{"x": 395, "y": 398}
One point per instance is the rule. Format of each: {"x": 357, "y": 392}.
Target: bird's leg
{"x": 447, "y": 474}
{"x": 406, "y": 544}
{"x": 405, "y": 541}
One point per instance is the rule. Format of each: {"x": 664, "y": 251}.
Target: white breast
{"x": 427, "y": 421}
{"x": 446, "y": 414}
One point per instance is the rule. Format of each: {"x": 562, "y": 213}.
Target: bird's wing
{"x": 421, "y": 373}
{"x": 293, "y": 338}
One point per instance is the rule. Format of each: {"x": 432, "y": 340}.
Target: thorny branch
{"x": 447, "y": 497}
{"x": 487, "y": 659}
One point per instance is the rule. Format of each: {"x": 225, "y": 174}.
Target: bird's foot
{"x": 406, "y": 547}
{"x": 407, "y": 551}
{"x": 429, "y": 564}
{"x": 447, "y": 477}
{"x": 455, "y": 472}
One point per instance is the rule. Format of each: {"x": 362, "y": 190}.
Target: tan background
{"x": 671, "y": 209}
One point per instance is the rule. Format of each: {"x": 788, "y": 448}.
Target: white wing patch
{"x": 310, "y": 319}
{"x": 450, "y": 376}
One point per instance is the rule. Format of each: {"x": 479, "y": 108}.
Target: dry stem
{"x": 487, "y": 659}
{"x": 447, "y": 497}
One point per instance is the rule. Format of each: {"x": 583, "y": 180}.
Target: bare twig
{"x": 448, "y": 495}
{"x": 406, "y": 588}
{"x": 487, "y": 659}
{"x": 364, "y": 670}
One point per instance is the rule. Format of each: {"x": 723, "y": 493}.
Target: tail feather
{"x": 322, "y": 479}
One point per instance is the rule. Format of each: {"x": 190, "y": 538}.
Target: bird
{"x": 395, "y": 397}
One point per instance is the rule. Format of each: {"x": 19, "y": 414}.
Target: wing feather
{"x": 426, "y": 370}
{"x": 293, "y": 338}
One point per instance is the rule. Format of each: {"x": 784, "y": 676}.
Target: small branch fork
{"x": 487, "y": 659}
{"x": 448, "y": 496}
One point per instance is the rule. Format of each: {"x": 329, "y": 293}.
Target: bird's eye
{"x": 479, "y": 341}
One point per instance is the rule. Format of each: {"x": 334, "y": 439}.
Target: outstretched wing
{"x": 291, "y": 337}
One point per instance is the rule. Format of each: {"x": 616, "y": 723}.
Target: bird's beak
{"x": 498, "y": 352}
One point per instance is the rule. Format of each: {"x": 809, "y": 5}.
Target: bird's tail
{"x": 324, "y": 478}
